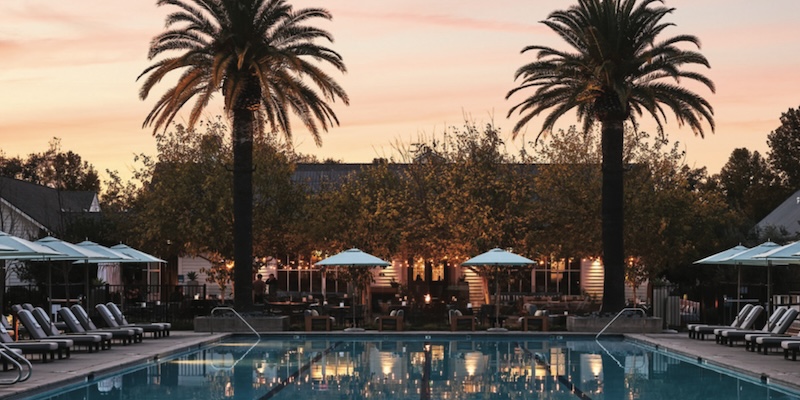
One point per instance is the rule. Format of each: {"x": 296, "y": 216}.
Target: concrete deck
{"x": 84, "y": 366}
{"x": 772, "y": 367}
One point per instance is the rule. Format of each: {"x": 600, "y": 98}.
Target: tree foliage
{"x": 784, "y": 154}
{"x": 618, "y": 68}
{"x": 260, "y": 55}
{"x": 53, "y": 168}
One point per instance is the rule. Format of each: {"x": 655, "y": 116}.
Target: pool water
{"x": 424, "y": 367}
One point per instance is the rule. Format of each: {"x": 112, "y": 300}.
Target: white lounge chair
{"x": 737, "y": 323}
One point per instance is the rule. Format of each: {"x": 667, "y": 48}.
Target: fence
{"x": 178, "y": 304}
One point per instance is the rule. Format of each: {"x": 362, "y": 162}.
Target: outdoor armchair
{"x": 392, "y": 321}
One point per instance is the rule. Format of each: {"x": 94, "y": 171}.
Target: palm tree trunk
{"x": 612, "y": 215}
{"x": 243, "y": 127}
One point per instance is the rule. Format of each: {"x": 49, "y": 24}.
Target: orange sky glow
{"x": 68, "y": 70}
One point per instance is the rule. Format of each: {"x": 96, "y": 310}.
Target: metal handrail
{"x": 17, "y": 360}
{"x": 609, "y": 324}
{"x": 237, "y": 315}
{"x": 617, "y": 316}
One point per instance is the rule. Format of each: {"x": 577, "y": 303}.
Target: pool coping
{"x": 82, "y": 367}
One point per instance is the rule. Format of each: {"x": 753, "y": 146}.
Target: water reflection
{"x": 398, "y": 368}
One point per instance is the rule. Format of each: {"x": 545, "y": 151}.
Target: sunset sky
{"x": 68, "y": 69}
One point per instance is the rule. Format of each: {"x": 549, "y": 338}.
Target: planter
{"x": 621, "y": 325}
{"x": 233, "y": 324}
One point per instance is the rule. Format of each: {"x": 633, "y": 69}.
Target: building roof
{"x": 46, "y": 206}
{"x": 316, "y": 176}
{"x": 785, "y": 217}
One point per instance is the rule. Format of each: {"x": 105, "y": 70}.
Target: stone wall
{"x": 233, "y": 324}
{"x": 623, "y": 324}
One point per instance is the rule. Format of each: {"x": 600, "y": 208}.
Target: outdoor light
{"x": 428, "y": 298}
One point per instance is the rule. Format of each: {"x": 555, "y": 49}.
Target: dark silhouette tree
{"x": 257, "y": 53}
{"x": 616, "y": 69}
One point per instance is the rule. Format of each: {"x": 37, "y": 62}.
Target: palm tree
{"x": 257, "y": 53}
{"x": 614, "y": 71}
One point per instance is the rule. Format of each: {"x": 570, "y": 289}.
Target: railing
{"x": 17, "y": 361}
{"x": 237, "y": 315}
{"x": 644, "y": 314}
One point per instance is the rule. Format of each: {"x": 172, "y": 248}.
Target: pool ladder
{"x": 248, "y": 325}
{"x": 23, "y": 366}
{"x": 237, "y": 316}
{"x": 644, "y": 314}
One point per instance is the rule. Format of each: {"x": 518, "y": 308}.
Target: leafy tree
{"x": 784, "y": 154}
{"x": 617, "y": 69}
{"x": 750, "y": 186}
{"x": 53, "y": 168}
{"x": 257, "y": 54}
{"x": 183, "y": 205}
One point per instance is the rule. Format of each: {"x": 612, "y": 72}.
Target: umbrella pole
{"x": 738, "y": 288}
{"x": 769, "y": 288}
{"x": 50, "y": 293}
{"x": 496, "y": 298}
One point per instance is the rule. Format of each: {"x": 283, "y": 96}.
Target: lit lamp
{"x": 428, "y": 298}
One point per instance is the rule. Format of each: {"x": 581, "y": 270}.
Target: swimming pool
{"x": 306, "y": 367}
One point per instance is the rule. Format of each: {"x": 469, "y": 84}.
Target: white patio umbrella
{"x": 108, "y": 266}
{"x": 353, "y": 258}
{"x": 71, "y": 252}
{"x": 747, "y": 258}
{"x": 783, "y": 255}
{"x": 22, "y": 249}
{"x": 494, "y": 259}
{"x": 714, "y": 259}
{"x": 136, "y": 254}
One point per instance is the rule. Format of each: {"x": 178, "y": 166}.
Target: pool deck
{"x": 83, "y": 366}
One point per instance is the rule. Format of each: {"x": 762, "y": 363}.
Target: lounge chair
{"x": 737, "y": 322}
{"x": 92, "y": 342}
{"x": 88, "y": 325}
{"x": 52, "y": 331}
{"x": 780, "y": 329}
{"x": 790, "y": 346}
{"x": 723, "y": 335}
{"x": 42, "y": 348}
{"x": 774, "y": 341}
{"x": 155, "y": 330}
{"x": 122, "y": 321}
{"x": 747, "y": 323}
{"x": 125, "y": 336}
